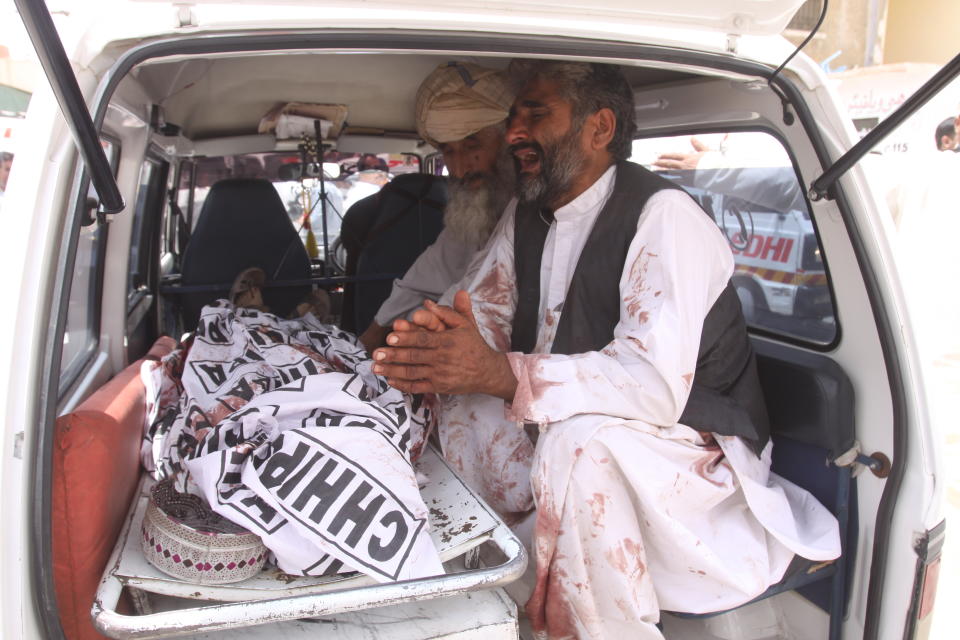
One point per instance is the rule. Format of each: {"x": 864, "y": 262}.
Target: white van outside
{"x": 774, "y": 258}
{"x": 92, "y": 276}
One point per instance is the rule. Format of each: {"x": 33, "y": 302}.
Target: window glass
{"x": 80, "y": 335}
{"x": 748, "y": 185}
{"x": 139, "y": 245}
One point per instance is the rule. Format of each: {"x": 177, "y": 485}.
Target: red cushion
{"x": 96, "y": 466}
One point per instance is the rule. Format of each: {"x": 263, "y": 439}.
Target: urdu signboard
{"x": 873, "y": 93}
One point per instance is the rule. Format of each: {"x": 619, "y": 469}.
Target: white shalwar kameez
{"x": 635, "y": 512}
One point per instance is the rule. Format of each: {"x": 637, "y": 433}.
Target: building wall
{"x": 845, "y": 31}
{"x": 922, "y": 31}
{"x": 23, "y": 73}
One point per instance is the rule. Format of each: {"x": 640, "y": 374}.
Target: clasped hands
{"x": 440, "y": 350}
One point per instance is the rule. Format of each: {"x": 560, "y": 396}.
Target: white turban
{"x": 459, "y": 99}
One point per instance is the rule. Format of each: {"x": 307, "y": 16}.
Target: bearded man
{"x": 602, "y": 315}
{"x": 460, "y": 110}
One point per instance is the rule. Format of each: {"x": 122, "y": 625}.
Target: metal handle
{"x": 182, "y": 622}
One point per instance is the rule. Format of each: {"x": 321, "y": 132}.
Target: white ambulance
{"x": 147, "y": 95}
{"x": 778, "y": 264}
{"x": 745, "y": 179}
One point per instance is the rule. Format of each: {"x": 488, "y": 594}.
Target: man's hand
{"x": 425, "y": 319}
{"x": 682, "y": 160}
{"x": 375, "y": 336}
{"x": 441, "y": 351}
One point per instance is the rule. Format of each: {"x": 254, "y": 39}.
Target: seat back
{"x": 384, "y": 234}
{"x": 810, "y": 401}
{"x": 96, "y": 467}
{"x": 809, "y": 397}
{"x": 242, "y": 224}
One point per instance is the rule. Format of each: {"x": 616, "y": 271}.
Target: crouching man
{"x": 603, "y": 314}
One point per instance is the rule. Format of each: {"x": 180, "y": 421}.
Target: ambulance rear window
{"x": 746, "y": 182}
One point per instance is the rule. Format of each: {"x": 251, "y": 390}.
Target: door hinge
{"x": 184, "y": 15}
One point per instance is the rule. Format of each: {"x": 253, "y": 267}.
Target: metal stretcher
{"x": 459, "y": 523}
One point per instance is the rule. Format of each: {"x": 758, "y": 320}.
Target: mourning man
{"x": 602, "y": 313}
{"x": 460, "y": 110}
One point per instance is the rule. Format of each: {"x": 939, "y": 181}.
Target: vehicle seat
{"x": 383, "y": 235}
{"x": 96, "y": 467}
{"x": 242, "y": 224}
{"x": 810, "y": 401}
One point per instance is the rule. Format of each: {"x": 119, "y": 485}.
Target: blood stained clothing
{"x": 636, "y": 513}
{"x": 281, "y": 426}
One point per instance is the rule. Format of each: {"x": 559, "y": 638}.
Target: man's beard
{"x": 561, "y": 161}
{"x": 473, "y": 210}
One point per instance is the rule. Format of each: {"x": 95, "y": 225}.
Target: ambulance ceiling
{"x": 225, "y": 96}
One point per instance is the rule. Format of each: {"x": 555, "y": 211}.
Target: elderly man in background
{"x": 460, "y": 110}
{"x": 603, "y": 316}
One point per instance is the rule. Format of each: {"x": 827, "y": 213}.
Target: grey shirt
{"x": 443, "y": 264}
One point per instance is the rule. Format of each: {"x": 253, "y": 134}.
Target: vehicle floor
{"x": 766, "y": 620}
{"x": 492, "y": 615}
{"x": 787, "y": 616}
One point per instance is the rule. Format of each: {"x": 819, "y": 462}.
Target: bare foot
{"x": 246, "y": 290}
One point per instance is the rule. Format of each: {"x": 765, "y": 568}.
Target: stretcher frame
{"x": 233, "y": 607}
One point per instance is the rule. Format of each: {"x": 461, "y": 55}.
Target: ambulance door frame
{"x": 61, "y": 75}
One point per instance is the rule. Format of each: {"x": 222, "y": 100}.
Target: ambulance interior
{"x": 177, "y": 123}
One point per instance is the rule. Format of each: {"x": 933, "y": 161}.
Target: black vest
{"x": 725, "y": 397}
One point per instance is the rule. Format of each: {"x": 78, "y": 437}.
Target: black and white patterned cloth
{"x": 284, "y": 429}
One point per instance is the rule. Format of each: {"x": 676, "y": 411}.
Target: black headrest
{"x": 240, "y": 210}
{"x": 242, "y": 224}
{"x": 384, "y": 234}
{"x": 421, "y": 186}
